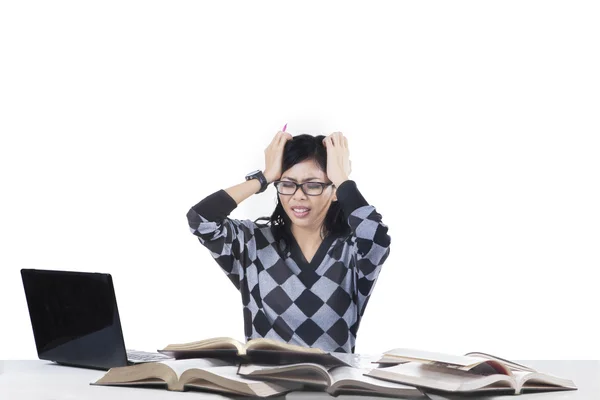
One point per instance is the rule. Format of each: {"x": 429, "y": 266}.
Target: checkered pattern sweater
{"x": 313, "y": 304}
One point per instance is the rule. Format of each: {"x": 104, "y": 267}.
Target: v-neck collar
{"x": 320, "y": 254}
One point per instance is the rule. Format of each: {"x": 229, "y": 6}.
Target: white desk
{"x": 36, "y": 379}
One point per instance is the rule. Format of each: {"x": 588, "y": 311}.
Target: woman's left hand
{"x": 338, "y": 158}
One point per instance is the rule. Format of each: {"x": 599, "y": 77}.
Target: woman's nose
{"x": 299, "y": 194}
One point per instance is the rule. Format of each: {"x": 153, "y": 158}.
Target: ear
{"x": 334, "y": 195}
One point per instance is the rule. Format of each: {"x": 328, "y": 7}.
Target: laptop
{"x": 75, "y": 320}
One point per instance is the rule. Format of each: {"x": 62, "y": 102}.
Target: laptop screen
{"x": 74, "y": 318}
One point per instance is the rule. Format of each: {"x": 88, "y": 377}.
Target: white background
{"x": 473, "y": 128}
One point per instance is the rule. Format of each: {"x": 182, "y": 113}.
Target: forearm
{"x": 366, "y": 224}
{"x": 349, "y": 197}
{"x": 221, "y": 203}
{"x": 243, "y": 190}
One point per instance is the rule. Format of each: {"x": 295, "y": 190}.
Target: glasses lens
{"x": 313, "y": 189}
{"x": 286, "y": 187}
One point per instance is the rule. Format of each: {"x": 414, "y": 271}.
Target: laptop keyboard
{"x": 136, "y": 356}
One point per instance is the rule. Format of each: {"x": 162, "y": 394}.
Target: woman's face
{"x": 303, "y": 210}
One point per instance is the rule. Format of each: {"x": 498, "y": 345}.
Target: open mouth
{"x": 300, "y": 212}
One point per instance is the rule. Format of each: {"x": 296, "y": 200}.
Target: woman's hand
{"x": 274, "y": 156}
{"x": 338, "y": 158}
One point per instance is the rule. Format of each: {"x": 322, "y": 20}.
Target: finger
{"x": 345, "y": 142}
{"x": 337, "y": 138}
{"x": 276, "y": 138}
{"x": 281, "y": 138}
{"x": 330, "y": 139}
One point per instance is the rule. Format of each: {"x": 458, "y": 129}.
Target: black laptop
{"x": 75, "y": 320}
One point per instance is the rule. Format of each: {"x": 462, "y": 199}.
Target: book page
{"x": 541, "y": 381}
{"x": 358, "y": 375}
{"x": 227, "y": 377}
{"x": 209, "y": 386}
{"x": 483, "y": 367}
{"x": 357, "y": 360}
{"x": 180, "y": 366}
{"x": 140, "y": 374}
{"x": 489, "y": 367}
{"x": 270, "y": 344}
{"x": 354, "y": 381}
{"x": 430, "y": 356}
{"x": 441, "y": 378}
{"x": 212, "y": 343}
{"x": 511, "y": 364}
{"x": 264, "y": 369}
{"x": 308, "y": 373}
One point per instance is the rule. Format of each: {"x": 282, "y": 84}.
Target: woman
{"x": 306, "y": 276}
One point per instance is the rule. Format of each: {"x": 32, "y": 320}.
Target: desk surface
{"x": 36, "y": 379}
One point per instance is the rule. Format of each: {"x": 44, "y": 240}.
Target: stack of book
{"x": 264, "y": 368}
{"x": 470, "y": 373}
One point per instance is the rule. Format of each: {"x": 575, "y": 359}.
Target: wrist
{"x": 269, "y": 177}
{"x": 260, "y": 177}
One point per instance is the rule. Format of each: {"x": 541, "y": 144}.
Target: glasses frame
{"x": 301, "y": 185}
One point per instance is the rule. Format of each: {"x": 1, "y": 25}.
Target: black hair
{"x": 301, "y": 148}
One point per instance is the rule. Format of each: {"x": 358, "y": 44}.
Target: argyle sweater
{"x": 312, "y": 304}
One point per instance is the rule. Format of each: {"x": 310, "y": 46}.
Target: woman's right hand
{"x": 274, "y": 156}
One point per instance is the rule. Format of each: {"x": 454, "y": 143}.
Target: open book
{"x": 212, "y": 375}
{"x": 258, "y": 351}
{"x": 439, "y": 377}
{"x": 470, "y": 361}
{"x": 335, "y": 381}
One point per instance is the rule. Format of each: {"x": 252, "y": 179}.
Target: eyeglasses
{"x": 309, "y": 188}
